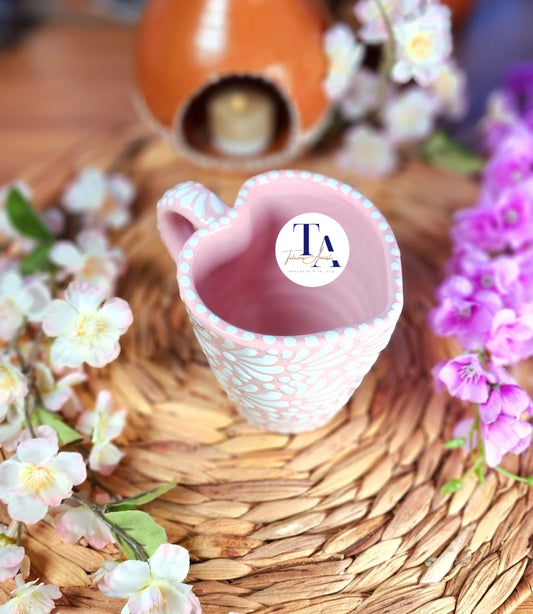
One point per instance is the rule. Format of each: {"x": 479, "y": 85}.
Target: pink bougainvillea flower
{"x": 86, "y": 327}
{"x": 20, "y": 299}
{"x": 31, "y": 598}
{"x": 505, "y": 434}
{"x": 478, "y": 227}
{"x": 501, "y": 436}
{"x": 511, "y": 162}
{"x": 410, "y": 115}
{"x": 367, "y": 151}
{"x": 514, "y": 214}
{"x": 423, "y": 46}
{"x": 79, "y": 522}
{"x": 508, "y": 399}
{"x": 103, "y": 425}
{"x": 152, "y": 586}
{"x": 511, "y": 337}
{"x": 13, "y": 383}
{"x": 345, "y": 55}
{"x": 90, "y": 259}
{"x": 464, "y": 313}
{"x": 498, "y": 274}
{"x": 38, "y": 477}
{"x": 466, "y": 378}
{"x": 103, "y": 200}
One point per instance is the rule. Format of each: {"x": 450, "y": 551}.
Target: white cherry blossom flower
{"x": 31, "y": 598}
{"x": 450, "y": 89}
{"x": 362, "y": 95}
{"x": 103, "y": 199}
{"x": 367, "y": 151}
{"x": 78, "y": 522}
{"x": 345, "y": 55}
{"x": 38, "y": 477}
{"x": 12, "y": 420}
{"x": 20, "y": 299}
{"x": 423, "y": 45}
{"x": 56, "y": 392}
{"x": 86, "y": 327}
{"x": 103, "y": 425}
{"x": 90, "y": 259}
{"x": 44, "y": 431}
{"x": 152, "y": 586}
{"x": 374, "y": 29}
{"x": 11, "y": 555}
{"x": 13, "y": 383}
{"x": 410, "y": 115}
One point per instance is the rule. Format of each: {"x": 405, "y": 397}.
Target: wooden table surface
{"x": 61, "y": 87}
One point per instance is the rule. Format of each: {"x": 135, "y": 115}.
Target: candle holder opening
{"x": 237, "y": 121}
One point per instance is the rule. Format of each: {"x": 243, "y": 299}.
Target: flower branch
{"x": 58, "y": 313}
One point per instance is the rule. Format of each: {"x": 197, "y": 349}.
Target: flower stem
{"x": 387, "y": 59}
{"x": 513, "y": 476}
{"x": 33, "y": 352}
{"x": 120, "y": 535}
{"x": 27, "y": 415}
{"x": 20, "y": 529}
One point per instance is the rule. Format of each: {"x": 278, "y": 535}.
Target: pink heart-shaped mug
{"x": 289, "y": 356}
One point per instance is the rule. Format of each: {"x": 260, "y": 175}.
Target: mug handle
{"x": 184, "y": 209}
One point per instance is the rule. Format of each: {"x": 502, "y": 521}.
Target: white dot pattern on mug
{"x": 288, "y": 384}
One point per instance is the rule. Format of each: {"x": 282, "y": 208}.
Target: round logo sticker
{"x": 312, "y": 249}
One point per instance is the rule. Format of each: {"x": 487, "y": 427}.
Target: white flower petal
{"x": 83, "y": 296}
{"x": 118, "y": 313}
{"x": 36, "y": 451}
{"x": 72, "y": 465}
{"x": 59, "y": 318}
{"x": 67, "y": 255}
{"x": 170, "y": 563}
{"x": 26, "y": 509}
{"x": 126, "y": 579}
{"x": 66, "y": 352}
{"x": 151, "y": 599}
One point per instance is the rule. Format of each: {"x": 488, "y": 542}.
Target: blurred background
{"x": 490, "y": 34}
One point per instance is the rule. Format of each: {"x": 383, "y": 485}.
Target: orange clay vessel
{"x": 186, "y": 49}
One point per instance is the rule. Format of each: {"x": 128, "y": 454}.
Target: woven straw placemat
{"x": 345, "y": 519}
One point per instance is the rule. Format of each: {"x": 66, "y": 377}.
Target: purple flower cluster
{"x": 486, "y": 300}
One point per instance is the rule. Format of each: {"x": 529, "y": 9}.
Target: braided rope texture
{"x": 345, "y": 519}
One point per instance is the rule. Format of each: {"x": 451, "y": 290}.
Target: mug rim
{"x": 200, "y": 312}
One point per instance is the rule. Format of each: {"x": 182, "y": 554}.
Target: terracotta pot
{"x": 187, "y": 49}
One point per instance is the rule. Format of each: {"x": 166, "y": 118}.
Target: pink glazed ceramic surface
{"x": 288, "y": 356}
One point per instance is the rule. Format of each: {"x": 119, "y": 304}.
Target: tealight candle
{"x": 241, "y": 120}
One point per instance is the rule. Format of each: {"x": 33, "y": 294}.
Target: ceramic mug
{"x": 289, "y": 356}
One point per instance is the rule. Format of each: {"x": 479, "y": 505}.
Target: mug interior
{"x": 237, "y": 276}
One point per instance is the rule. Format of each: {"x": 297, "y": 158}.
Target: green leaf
{"x": 451, "y": 486}
{"x": 65, "y": 433}
{"x": 141, "y": 527}
{"x": 37, "y": 260}
{"x": 24, "y": 218}
{"x": 457, "y": 442}
{"x": 443, "y": 151}
{"x": 529, "y": 480}
{"x": 130, "y": 503}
